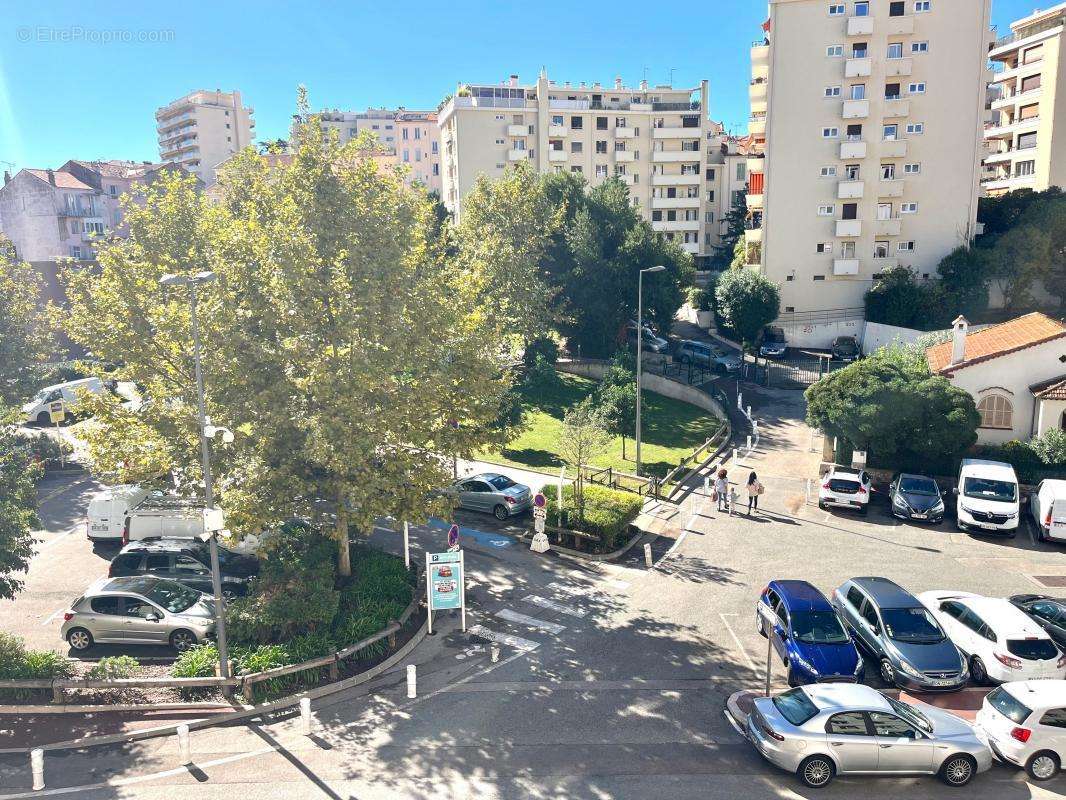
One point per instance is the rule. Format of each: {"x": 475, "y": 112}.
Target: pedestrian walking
{"x": 721, "y": 490}
{"x": 755, "y": 488}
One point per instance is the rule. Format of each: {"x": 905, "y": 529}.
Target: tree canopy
{"x": 25, "y": 338}
{"x": 746, "y": 301}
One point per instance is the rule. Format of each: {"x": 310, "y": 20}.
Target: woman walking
{"x": 721, "y": 490}
{"x": 755, "y": 488}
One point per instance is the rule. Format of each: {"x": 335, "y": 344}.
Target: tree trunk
{"x": 344, "y": 556}
{"x": 623, "y": 447}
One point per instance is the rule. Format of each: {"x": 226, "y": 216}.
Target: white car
{"x": 1025, "y": 724}
{"x": 987, "y": 497}
{"x": 846, "y": 488}
{"x": 65, "y": 394}
{"x": 1048, "y": 506}
{"x": 1000, "y": 641}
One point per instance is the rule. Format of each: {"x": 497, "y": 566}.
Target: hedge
{"x": 18, "y": 663}
{"x": 608, "y": 512}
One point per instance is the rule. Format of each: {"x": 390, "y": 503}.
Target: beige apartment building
{"x": 869, "y": 119}
{"x": 202, "y": 129}
{"x": 1024, "y": 149}
{"x": 654, "y": 138}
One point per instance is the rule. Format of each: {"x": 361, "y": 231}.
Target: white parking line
{"x": 530, "y": 622}
{"x": 52, "y": 616}
{"x": 736, "y": 639}
{"x": 551, "y": 605}
{"x": 508, "y": 639}
{"x": 57, "y": 538}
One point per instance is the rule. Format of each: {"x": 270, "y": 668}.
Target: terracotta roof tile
{"x": 64, "y": 180}
{"x": 1053, "y": 389}
{"x": 996, "y": 340}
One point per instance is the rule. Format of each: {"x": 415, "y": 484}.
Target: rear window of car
{"x": 1008, "y": 705}
{"x": 127, "y": 560}
{"x": 795, "y": 706}
{"x": 500, "y": 482}
{"x": 1032, "y": 649}
{"x": 843, "y": 485}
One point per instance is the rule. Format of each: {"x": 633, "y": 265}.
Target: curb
{"x": 578, "y": 554}
{"x": 124, "y": 708}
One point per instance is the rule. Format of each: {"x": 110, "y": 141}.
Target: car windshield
{"x": 989, "y": 489}
{"x": 916, "y": 485}
{"x": 501, "y": 482}
{"x": 1032, "y": 649}
{"x": 844, "y": 344}
{"x": 911, "y": 714}
{"x": 795, "y": 706}
{"x": 172, "y": 596}
{"x": 818, "y": 627}
{"x": 1008, "y": 705}
{"x": 911, "y": 625}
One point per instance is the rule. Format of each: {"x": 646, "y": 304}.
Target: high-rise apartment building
{"x": 1025, "y": 150}
{"x": 653, "y": 138}
{"x": 870, "y": 115}
{"x": 202, "y": 129}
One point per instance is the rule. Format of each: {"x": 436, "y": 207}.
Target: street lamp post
{"x": 640, "y": 345}
{"x": 205, "y": 456}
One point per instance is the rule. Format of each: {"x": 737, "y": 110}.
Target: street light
{"x": 640, "y": 344}
{"x": 207, "y": 431}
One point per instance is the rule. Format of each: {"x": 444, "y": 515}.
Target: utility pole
{"x": 640, "y": 347}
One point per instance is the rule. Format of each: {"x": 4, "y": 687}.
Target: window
{"x": 1055, "y": 717}
{"x": 1033, "y": 54}
{"x": 708, "y": 217}
{"x": 601, "y": 146}
{"x": 188, "y": 565}
{"x": 620, "y": 122}
{"x": 836, "y": 10}
{"x": 851, "y": 172}
{"x": 854, "y": 133}
{"x": 884, "y": 211}
{"x": 847, "y": 250}
{"x": 823, "y": 247}
{"x": 858, "y": 50}
{"x": 912, "y": 169}
{"x": 835, "y": 50}
{"x": 828, "y": 172}
{"x": 915, "y": 128}
{"x": 922, "y": 6}
{"x": 1030, "y": 83}
{"x": 1026, "y": 141}
{"x": 710, "y": 174}
{"x": 850, "y": 723}
{"x": 826, "y": 211}
{"x": 575, "y": 123}
{"x": 1022, "y": 168}
{"x": 892, "y": 91}
{"x": 418, "y": 132}
{"x": 575, "y": 147}
{"x": 888, "y": 172}
{"x": 915, "y": 88}
{"x": 832, "y": 91}
{"x": 855, "y": 598}
{"x": 113, "y": 189}
{"x": 996, "y": 412}
{"x": 817, "y": 277}
{"x": 905, "y": 247}
{"x": 671, "y": 215}
{"x": 919, "y": 47}
{"x": 880, "y": 249}
{"x": 710, "y": 195}
{"x": 895, "y": 50}
{"x": 556, "y": 120}
{"x": 890, "y": 726}
{"x": 849, "y": 211}
{"x": 896, "y": 8}
{"x": 601, "y": 170}
{"x": 576, "y": 170}
{"x": 830, "y": 133}
{"x": 742, "y": 170}
{"x": 890, "y": 132}
{"x": 908, "y": 208}
{"x": 104, "y": 605}
{"x": 418, "y": 150}
{"x": 1031, "y": 111}
{"x": 436, "y": 168}
{"x": 862, "y": 9}
{"x": 601, "y": 123}
{"x": 858, "y": 91}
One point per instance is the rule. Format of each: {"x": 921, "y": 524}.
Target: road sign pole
{"x": 462, "y": 589}
{"x": 407, "y": 544}
{"x": 429, "y": 599}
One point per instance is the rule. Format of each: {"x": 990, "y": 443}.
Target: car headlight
{"x": 907, "y": 668}
{"x": 939, "y": 506}
{"x": 964, "y": 508}
{"x": 899, "y": 502}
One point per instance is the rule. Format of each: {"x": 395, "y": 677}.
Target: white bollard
{"x": 707, "y": 484}
{"x": 305, "y": 715}
{"x": 647, "y": 555}
{"x": 740, "y": 401}
{"x": 495, "y": 650}
{"x": 749, "y": 412}
{"x": 411, "y": 693}
{"x": 734, "y": 455}
{"x": 37, "y": 767}
{"x": 184, "y": 751}
{"x": 749, "y": 442}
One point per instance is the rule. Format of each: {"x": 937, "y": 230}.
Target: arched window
{"x": 996, "y": 412}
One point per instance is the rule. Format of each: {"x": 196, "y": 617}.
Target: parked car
{"x": 492, "y": 493}
{"x": 911, "y": 649}
{"x": 707, "y": 355}
{"x": 139, "y": 610}
{"x": 1025, "y": 724}
{"x": 36, "y": 410}
{"x": 830, "y": 729}
{"x": 807, "y": 634}
{"x": 187, "y": 561}
{"x": 1048, "y": 506}
{"x": 160, "y": 516}
{"x": 845, "y": 487}
{"x": 987, "y": 497}
{"x": 999, "y": 640}
{"x": 916, "y": 497}
{"x": 106, "y": 516}
{"x": 650, "y": 341}
{"x": 1048, "y": 612}
{"x": 845, "y": 348}
{"x": 772, "y": 342}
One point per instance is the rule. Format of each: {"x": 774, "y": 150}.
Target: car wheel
{"x": 821, "y": 505}
{"x": 1043, "y": 766}
{"x": 181, "y": 640}
{"x": 43, "y": 418}
{"x": 978, "y": 671}
{"x": 863, "y": 510}
{"x": 500, "y": 512}
{"x": 888, "y": 675}
{"x": 815, "y": 771}
{"x": 958, "y": 770}
{"x": 80, "y": 639}
{"x": 1012, "y": 534}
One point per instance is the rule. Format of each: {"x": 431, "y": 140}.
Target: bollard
{"x": 749, "y": 442}
{"x": 749, "y": 412}
{"x": 647, "y": 555}
{"x": 411, "y": 693}
{"x": 706, "y": 484}
{"x": 495, "y": 650}
{"x": 734, "y": 455}
{"x": 183, "y": 745}
{"x": 37, "y": 767}
{"x": 305, "y": 715}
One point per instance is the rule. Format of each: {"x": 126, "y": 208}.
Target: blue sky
{"x": 94, "y": 98}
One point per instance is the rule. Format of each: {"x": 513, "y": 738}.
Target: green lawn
{"x": 670, "y": 430}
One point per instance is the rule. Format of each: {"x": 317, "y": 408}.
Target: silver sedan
{"x": 492, "y": 493}
{"x": 823, "y": 730}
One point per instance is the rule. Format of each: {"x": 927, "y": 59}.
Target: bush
{"x": 18, "y": 663}
{"x": 200, "y": 661}
{"x": 113, "y": 667}
{"x": 543, "y": 347}
{"x": 1051, "y": 447}
{"x": 699, "y": 299}
{"x": 608, "y": 512}
{"x": 1035, "y": 460}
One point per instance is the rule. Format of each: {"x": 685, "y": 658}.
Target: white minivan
{"x": 987, "y": 499}
{"x": 107, "y": 512}
{"x": 36, "y": 410}
{"x": 1048, "y": 506}
{"x": 160, "y": 516}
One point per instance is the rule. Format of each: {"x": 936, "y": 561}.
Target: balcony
{"x": 897, "y": 67}
{"x": 675, "y": 180}
{"x": 757, "y": 89}
{"x": 850, "y": 150}
{"x": 517, "y": 155}
{"x": 628, "y": 180}
{"x": 896, "y": 108}
{"x": 855, "y": 109}
{"x": 849, "y": 190}
{"x": 857, "y": 67}
{"x": 753, "y": 236}
{"x": 673, "y": 133}
{"x": 675, "y": 202}
{"x": 754, "y": 200}
{"x": 1008, "y": 184}
{"x": 1013, "y": 98}
{"x": 900, "y": 26}
{"x": 676, "y": 225}
{"x": 557, "y": 131}
{"x": 845, "y": 266}
{"x": 674, "y": 156}
{"x": 757, "y": 125}
{"x": 1002, "y": 157}
{"x": 518, "y": 130}
{"x": 760, "y": 56}
{"x": 556, "y": 155}
{"x": 893, "y": 148}
{"x": 848, "y": 228}
{"x": 860, "y": 26}
{"x": 626, "y": 133}
{"x": 624, "y": 155}
{"x": 690, "y": 247}
{"x": 887, "y": 227}
{"x": 890, "y": 188}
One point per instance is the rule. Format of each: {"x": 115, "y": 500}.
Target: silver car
{"x": 141, "y": 609}
{"x": 492, "y": 493}
{"x": 828, "y": 729}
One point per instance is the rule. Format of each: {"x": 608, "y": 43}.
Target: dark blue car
{"x": 807, "y": 634}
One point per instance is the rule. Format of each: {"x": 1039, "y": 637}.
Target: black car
{"x": 186, "y": 561}
{"x": 845, "y": 348}
{"x": 916, "y": 497}
{"x": 1048, "y": 612}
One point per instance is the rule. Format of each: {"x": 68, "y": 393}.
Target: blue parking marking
{"x": 481, "y": 537}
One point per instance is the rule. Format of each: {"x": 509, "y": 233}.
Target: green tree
{"x": 18, "y": 510}
{"x": 735, "y": 220}
{"x": 1019, "y": 259}
{"x": 746, "y": 301}
{"x": 583, "y": 438}
{"x": 616, "y": 398}
{"x": 25, "y": 339}
{"x": 964, "y": 282}
{"x": 896, "y": 299}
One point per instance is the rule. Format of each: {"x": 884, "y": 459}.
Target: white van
{"x": 987, "y": 497}
{"x": 36, "y": 410}
{"x": 1048, "y": 506}
{"x": 107, "y": 512}
{"x": 160, "y": 515}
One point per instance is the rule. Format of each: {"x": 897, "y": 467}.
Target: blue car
{"x": 807, "y": 634}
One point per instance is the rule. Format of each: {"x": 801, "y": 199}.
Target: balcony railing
{"x": 1029, "y": 30}
{"x": 693, "y": 105}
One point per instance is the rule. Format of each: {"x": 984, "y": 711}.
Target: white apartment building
{"x": 870, "y": 114}
{"x": 202, "y": 129}
{"x": 653, "y": 138}
{"x": 348, "y": 124}
{"x": 1024, "y": 149}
